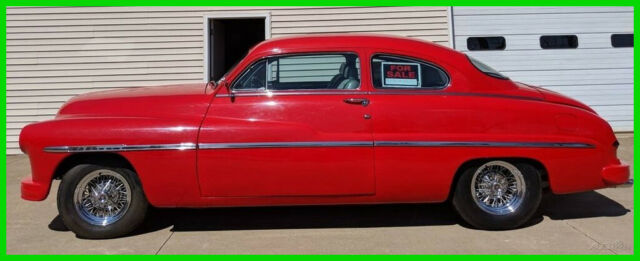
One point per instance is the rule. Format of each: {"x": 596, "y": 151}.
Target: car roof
{"x": 346, "y": 40}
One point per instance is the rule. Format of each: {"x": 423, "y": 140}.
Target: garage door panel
{"x": 528, "y": 41}
{"x": 622, "y": 126}
{"x": 598, "y": 101}
{"x": 545, "y": 23}
{"x": 557, "y": 54}
{"x": 573, "y": 77}
{"x": 517, "y": 63}
{"x": 550, "y": 82}
{"x": 544, "y": 62}
{"x": 498, "y": 10}
{"x": 617, "y": 109}
{"x": 589, "y": 73}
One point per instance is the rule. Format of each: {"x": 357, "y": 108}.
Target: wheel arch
{"x": 544, "y": 175}
{"x": 98, "y": 158}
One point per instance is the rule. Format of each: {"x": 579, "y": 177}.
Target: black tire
{"x": 130, "y": 220}
{"x": 472, "y": 213}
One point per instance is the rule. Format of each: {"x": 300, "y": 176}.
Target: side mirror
{"x": 212, "y": 84}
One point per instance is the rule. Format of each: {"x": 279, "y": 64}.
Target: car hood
{"x": 158, "y": 101}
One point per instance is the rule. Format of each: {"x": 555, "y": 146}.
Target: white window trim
{"x": 452, "y": 37}
{"x": 229, "y": 15}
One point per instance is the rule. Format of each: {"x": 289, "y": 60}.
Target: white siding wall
{"x": 54, "y": 53}
{"x": 594, "y": 73}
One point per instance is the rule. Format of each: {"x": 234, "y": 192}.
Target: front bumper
{"x": 33, "y": 191}
{"x": 614, "y": 175}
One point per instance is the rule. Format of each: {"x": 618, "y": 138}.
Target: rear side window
{"x": 486, "y": 43}
{"x": 558, "y": 42}
{"x": 303, "y": 72}
{"x": 622, "y": 40}
{"x": 405, "y": 73}
{"x": 486, "y": 69}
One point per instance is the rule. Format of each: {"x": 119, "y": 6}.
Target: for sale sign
{"x": 401, "y": 75}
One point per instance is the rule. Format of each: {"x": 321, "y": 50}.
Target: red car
{"x": 325, "y": 119}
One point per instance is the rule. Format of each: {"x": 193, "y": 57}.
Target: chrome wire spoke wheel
{"x": 102, "y": 197}
{"x": 498, "y": 187}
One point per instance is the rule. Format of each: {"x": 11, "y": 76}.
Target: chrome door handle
{"x": 361, "y": 101}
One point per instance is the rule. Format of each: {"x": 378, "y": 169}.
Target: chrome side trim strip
{"x": 120, "y": 147}
{"x": 481, "y": 144}
{"x": 245, "y": 145}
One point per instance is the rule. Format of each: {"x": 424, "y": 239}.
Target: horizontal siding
{"x": 595, "y": 73}
{"x": 55, "y": 53}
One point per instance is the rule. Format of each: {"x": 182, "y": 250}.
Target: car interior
{"x": 347, "y": 76}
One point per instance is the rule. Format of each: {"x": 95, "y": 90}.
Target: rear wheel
{"x": 101, "y": 202}
{"x": 498, "y": 194}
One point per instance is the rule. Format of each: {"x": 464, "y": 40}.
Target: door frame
{"x": 228, "y": 15}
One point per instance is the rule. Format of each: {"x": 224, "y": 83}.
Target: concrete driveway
{"x": 599, "y": 222}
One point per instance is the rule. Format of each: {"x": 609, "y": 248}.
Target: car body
{"x": 383, "y": 138}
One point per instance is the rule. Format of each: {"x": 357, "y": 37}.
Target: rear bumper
{"x": 614, "y": 175}
{"x": 33, "y": 191}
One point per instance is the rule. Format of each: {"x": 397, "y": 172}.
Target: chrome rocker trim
{"x": 246, "y": 145}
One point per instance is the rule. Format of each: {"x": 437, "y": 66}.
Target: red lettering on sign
{"x": 403, "y": 75}
{"x": 401, "y": 71}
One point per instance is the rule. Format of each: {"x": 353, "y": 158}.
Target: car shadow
{"x": 581, "y": 205}
{"x": 573, "y": 206}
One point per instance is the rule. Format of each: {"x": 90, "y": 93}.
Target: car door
{"x": 294, "y": 125}
{"x": 410, "y": 110}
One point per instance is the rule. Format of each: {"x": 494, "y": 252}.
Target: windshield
{"x": 486, "y": 69}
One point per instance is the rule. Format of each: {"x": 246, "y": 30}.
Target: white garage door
{"x": 579, "y": 59}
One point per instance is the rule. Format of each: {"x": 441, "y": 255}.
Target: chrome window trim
{"x": 291, "y": 93}
{"x": 378, "y": 92}
{"x": 120, "y": 147}
{"x": 313, "y": 144}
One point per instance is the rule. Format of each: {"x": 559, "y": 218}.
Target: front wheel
{"x": 101, "y": 202}
{"x": 498, "y": 194}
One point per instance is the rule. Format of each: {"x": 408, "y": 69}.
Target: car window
{"x": 253, "y": 78}
{"x": 486, "y": 69}
{"x": 303, "y": 72}
{"x": 399, "y": 72}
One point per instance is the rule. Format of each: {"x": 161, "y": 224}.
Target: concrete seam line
{"x": 164, "y": 243}
{"x": 589, "y": 237}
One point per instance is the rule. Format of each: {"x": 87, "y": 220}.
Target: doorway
{"x": 230, "y": 38}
